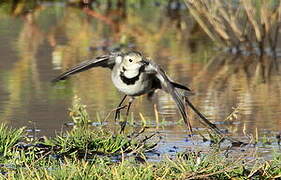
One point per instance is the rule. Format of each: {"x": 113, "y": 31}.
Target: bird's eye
{"x": 130, "y": 60}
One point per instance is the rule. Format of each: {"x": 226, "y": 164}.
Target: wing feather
{"x": 102, "y": 61}
{"x": 180, "y": 99}
{"x": 170, "y": 88}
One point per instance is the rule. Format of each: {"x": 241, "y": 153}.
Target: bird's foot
{"x": 118, "y": 111}
{"x": 122, "y": 126}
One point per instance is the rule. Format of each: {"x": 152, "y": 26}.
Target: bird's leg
{"x": 128, "y": 108}
{"x": 119, "y": 108}
{"x": 123, "y": 123}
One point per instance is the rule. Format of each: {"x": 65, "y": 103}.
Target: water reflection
{"x": 251, "y": 83}
{"x": 42, "y": 40}
{"x": 44, "y": 37}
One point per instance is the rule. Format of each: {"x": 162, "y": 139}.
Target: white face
{"x": 132, "y": 61}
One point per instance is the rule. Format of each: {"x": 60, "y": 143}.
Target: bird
{"x": 134, "y": 75}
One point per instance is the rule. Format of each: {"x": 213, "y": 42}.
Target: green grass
{"x": 86, "y": 153}
{"x": 186, "y": 166}
{"x": 8, "y": 138}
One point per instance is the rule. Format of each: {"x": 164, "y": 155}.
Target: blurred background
{"x": 227, "y": 57}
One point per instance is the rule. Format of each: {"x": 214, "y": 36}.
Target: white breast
{"x": 141, "y": 86}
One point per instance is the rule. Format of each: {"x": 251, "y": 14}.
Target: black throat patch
{"x": 130, "y": 81}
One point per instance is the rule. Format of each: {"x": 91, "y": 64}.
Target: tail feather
{"x": 180, "y": 86}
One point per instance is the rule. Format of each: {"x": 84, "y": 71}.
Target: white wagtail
{"x": 135, "y": 75}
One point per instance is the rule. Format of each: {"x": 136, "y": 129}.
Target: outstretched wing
{"x": 169, "y": 87}
{"x": 180, "y": 99}
{"x": 101, "y": 61}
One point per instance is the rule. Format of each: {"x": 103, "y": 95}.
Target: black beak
{"x": 144, "y": 62}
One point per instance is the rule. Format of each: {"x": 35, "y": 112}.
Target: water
{"x": 39, "y": 41}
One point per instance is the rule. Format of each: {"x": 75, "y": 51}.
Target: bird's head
{"x": 133, "y": 60}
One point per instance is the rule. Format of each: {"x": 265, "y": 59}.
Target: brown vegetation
{"x": 243, "y": 26}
